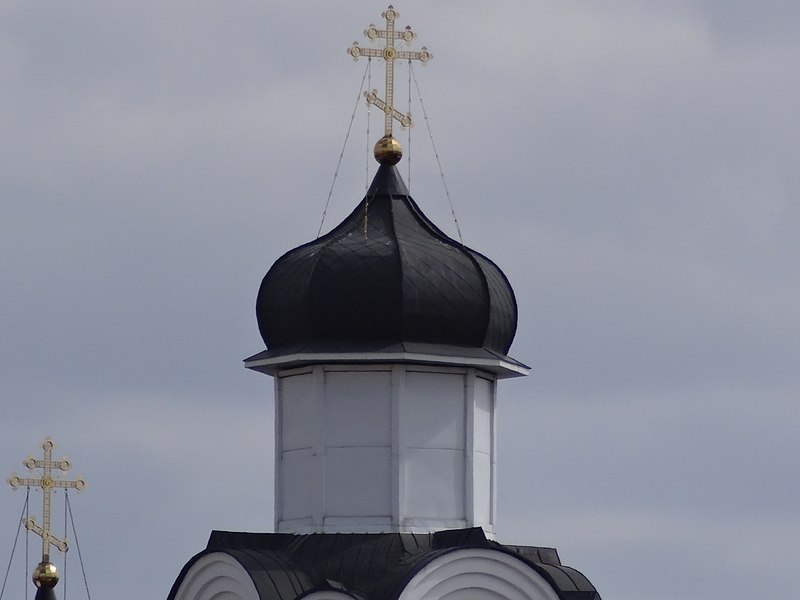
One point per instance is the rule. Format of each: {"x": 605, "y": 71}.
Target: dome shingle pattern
{"x": 404, "y": 281}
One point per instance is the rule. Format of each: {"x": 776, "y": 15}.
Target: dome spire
{"x": 388, "y": 150}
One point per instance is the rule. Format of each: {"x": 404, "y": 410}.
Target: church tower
{"x": 386, "y": 340}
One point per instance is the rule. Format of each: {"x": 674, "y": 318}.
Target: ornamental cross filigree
{"x": 47, "y": 482}
{"x": 389, "y": 53}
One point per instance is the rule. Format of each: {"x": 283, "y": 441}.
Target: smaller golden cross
{"x": 389, "y": 53}
{"x": 47, "y": 482}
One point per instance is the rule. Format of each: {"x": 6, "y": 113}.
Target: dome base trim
{"x": 380, "y": 525}
{"x": 270, "y": 362}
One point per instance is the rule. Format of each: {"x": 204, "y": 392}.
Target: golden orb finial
{"x": 45, "y": 575}
{"x": 388, "y": 150}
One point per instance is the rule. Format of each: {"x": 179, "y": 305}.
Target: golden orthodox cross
{"x": 47, "y": 482}
{"x": 389, "y": 53}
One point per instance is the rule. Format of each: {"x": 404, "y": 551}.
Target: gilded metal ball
{"x": 45, "y": 575}
{"x": 388, "y": 151}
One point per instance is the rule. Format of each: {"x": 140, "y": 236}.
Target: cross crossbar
{"x": 47, "y": 482}
{"x": 389, "y": 53}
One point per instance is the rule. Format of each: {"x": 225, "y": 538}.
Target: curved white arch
{"x": 477, "y": 574}
{"x": 217, "y": 576}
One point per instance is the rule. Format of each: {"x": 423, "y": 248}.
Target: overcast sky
{"x": 632, "y": 166}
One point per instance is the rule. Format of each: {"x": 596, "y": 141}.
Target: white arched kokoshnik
{"x": 217, "y": 576}
{"x": 477, "y": 574}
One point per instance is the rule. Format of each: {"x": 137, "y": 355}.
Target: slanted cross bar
{"x": 47, "y": 483}
{"x": 389, "y": 53}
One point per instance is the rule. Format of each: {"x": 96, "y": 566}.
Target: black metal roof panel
{"x": 372, "y": 566}
{"x": 386, "y": 274}
{"x": 45, "y": 593}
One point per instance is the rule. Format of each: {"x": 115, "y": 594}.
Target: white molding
{"x": 301, "y": 525}
{"x": 493, "y": 459}
{"x": 304, "y": 370}
{"x": 370, "y": 525}
{"x": 423, "y": 524}
{"x": 277, "y": 476}
{"x": 320, "y": 444}
{"x": 398, "y": 451}
{"x": 356, "y": 367}
{"x": 217, "y": 576}
{"x": 469, "y": 446}
{"x": 502, "y": 368}
{"x": 477, "y": 573}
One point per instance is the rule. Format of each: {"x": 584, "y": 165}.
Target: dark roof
{"x": 372, "y": 566}
{"x": 386, "y": 275}
{"x": 45, "y": 593}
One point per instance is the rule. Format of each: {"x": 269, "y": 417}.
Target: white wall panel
{"x": 358, "y": 408}
{"x": 300, "y": 489}
{"x": 435, "y": 484}
{"x": 297, "y": 405}
{"x": 481, "y": 465}
{"x": 374, "y": 448}
{"x": 433, "y": 410}
{"x": 483, "y": 415}
{"x": 357, "y": 482}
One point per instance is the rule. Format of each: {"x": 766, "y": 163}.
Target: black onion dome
{"x": 404, "y": 281}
